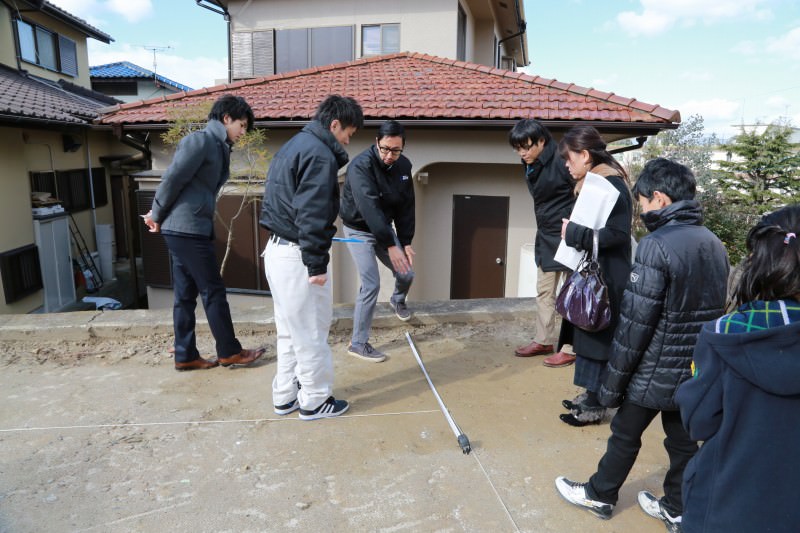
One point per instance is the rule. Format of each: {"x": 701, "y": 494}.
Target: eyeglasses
{"x": 386, "y": 150}
{"x": 522, "y": 148}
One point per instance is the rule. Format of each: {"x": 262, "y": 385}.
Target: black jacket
{"x": 301, "y": 194}
{"x": 375, "y": 195}
{"x": 744, "y": 402}
{"x": 552, "y": 189}
{"x": 678, "y": 282}
{"x": 614, "y": 256}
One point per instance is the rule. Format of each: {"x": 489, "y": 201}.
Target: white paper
{"x": 594, "y": 204}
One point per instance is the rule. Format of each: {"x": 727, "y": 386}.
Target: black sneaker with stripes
{"x": 329, "y": 408}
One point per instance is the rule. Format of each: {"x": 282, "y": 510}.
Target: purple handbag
{"x": 583, "y": 299}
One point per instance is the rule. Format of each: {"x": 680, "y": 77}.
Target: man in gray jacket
{"x": 183, "y": 211}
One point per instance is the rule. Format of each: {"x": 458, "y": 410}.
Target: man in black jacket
{"x": 552, "y": 189}
{"x": 678, "y": 282}
{"x": 301, "y": 202}
{"x": 378, "y": 191}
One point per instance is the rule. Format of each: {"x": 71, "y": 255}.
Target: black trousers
{"x": 627, "y": 428}
{"x": 195, "y": 271}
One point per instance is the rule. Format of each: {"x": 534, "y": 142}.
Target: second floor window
{"x": 380, "y": 39}
{"x": 49, "y": 50}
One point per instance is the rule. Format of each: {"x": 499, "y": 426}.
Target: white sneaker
{"x": 652, "y": 506}
{"x": 575, "y": 493}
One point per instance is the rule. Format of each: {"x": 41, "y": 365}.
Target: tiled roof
{"x": 411, "y": 86}
{"x": 28, "y": 98}
{"x": 127, "y": 70}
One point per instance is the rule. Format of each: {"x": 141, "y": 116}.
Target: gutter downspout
{"x": 522, "y": 26}
{"x": 222, "y": 10}
{"x": 639, "y": 143}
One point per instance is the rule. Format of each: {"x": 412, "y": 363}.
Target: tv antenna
{"x": 156, "y": 49}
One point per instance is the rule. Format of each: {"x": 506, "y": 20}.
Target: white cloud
{"x": 657, "y": 16}
{"x": 711, "y": 109}
{"x": 746, "y": 48}
{"x": 131, "y": 11}
{"x": 786, "y": 45}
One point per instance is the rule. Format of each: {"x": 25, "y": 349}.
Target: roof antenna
{"x": 155, "y": 49}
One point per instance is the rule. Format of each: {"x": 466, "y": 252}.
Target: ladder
{"x": 86, "y": 261}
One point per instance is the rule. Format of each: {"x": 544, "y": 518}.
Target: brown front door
{"x": 480, "y": 232}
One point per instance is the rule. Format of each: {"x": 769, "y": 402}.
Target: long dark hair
{"x": 772, "y": 269}
{"x": 587, "y": 138}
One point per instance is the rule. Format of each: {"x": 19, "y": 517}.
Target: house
{"x": 474, "y": 213}
{"x": 48, "y": 146}
{"x": 268, "y": 37}
{"x": 128, "y": 82}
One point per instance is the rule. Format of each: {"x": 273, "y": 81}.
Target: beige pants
{"x": 548, "y": 322}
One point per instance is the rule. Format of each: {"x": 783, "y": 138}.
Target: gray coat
{"x": 186, "y": 199}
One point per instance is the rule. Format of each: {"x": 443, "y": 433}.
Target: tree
{"x": 249, "y": 161}
{"x": 687, "y": 145}
{"x": 765, "y": 172}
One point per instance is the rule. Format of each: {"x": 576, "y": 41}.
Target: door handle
{"x": 498, "y": 261}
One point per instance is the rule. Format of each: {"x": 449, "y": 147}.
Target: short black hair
{"x": 668, "y": 177}
{"x": 391, "y": 128}
{"x": 527, "y": 130}
{"x": 771, "y": 271}
{"x": 235, "y": 107}
{"x": 342, "y": 108}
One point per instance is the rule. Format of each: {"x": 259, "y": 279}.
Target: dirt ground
{"x": 103, "y": 435}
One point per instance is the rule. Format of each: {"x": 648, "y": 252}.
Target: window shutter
{"x": 242, "y": 51}
{"x": 68, "y": 56}
{"x": 263, "y": 53}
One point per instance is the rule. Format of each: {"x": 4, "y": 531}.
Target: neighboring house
{"x": 474, "y": 213}
{"x": 48, "y": 144}
{"x": 268, "y": 37}
{"x": 128, "y": 82}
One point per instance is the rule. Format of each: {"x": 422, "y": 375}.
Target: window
{"x": 49, "y": 50}
{"x": 380, "y": 39}
{"x": 115, "y": 88}
{"x": 72, "y": 187}
{"x": 261, "y": 53}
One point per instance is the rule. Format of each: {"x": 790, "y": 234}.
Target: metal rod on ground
{"x": 463, "y": 441}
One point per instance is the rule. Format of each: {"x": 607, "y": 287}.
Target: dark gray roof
{"x": 27, "y": 98}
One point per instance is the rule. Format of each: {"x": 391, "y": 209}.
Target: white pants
{"x": 303, "y": 314}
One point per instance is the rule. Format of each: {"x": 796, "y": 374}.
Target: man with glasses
{"x": 552, "y": 189}
{"x": 377, "y": 209}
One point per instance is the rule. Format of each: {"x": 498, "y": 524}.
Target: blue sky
{"x": 731, "y": 61}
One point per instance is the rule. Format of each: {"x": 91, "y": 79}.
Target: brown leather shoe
{"x": 559, "y": 359}
{"x": 197, "y": 364}
{"x": 245, "y": 357}
{"x": 534, "y": 348}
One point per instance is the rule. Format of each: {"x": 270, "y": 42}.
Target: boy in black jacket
{"x": 677, "y": 283}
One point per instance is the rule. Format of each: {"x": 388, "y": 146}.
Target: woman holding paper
{"x": 585, "y": 154}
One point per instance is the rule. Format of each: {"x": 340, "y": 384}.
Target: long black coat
{"x": 551, "y": 187}
{"x": 614, "y": 256}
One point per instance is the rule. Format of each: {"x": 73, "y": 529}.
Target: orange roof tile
{"x": 410, "y": 86}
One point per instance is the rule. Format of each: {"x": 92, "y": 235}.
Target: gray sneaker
{"x": 652, "y": 506}
{"x": 401, "y": 310}
{"x": 366, "y": 352}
